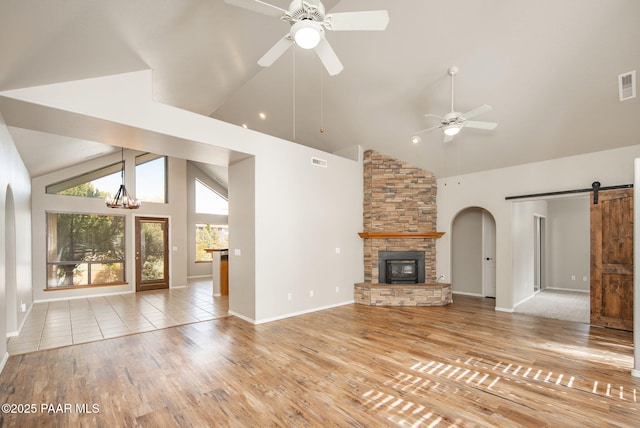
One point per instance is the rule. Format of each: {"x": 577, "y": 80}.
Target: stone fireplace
{"x": 399, "y": 217}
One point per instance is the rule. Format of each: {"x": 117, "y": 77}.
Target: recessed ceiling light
{"x": 262, "y": 116}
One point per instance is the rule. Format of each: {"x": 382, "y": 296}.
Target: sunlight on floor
{"x": 445, "y": 380}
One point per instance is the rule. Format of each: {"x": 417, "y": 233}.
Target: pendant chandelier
{"x": 122, "y": 199}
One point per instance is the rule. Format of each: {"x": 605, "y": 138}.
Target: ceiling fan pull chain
{"x": 321, "y": 100}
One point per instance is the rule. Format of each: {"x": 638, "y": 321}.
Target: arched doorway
{"x": 473, "y": 253}
{"x": 10, "y": 322}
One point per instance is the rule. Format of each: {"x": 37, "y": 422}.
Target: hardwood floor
{"x": 458, "y": 365}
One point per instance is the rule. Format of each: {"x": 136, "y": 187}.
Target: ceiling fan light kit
{"x": 308, "y": 24}
{"x": 307, "y": 33}
{"x": 453, "y": 122}
{"x": 452, "y": 129}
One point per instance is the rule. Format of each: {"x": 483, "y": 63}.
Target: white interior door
{"x": 488, "y": 255}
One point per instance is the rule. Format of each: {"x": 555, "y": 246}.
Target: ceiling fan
{"x": 308, "y": 24}
{"x": 452, "y": 122}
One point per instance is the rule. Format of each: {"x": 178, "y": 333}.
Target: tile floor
{"x": 67, "y": 322}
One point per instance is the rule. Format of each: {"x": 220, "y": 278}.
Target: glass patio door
{"x": 152, "y": 253}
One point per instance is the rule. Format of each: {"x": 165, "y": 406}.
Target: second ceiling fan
{"x": 452, "y": 122}
{"x": 308, "y": 24}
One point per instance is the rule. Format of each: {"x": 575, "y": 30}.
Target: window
{"x": 95, "y": 184}
{"x": 210, "y": 236}
{"x": 84, "y": 250}
{"x": 209, "y": 201}
{"x": 151, "y": 178}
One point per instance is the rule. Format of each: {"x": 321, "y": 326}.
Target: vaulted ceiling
{"x": 549, "y": 68}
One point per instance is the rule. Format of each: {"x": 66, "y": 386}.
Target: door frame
{"x": 539, "y": 252}
{"x": 167, "y": 259}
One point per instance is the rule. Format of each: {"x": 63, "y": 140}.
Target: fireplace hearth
{"x": 401, "y": 267}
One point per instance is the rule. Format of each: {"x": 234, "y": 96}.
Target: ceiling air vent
{"x": 627, "y": 85}
{"x": 319, "y": 162}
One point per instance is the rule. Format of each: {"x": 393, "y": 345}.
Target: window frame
{"x": 87, "y": 177}
{"x": 49, "y": 264}
{"x": 150, "y": 157}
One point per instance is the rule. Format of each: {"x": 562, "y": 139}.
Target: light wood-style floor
{"x": 460, "y": 365}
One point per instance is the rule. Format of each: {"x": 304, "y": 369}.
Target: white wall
{"x": 489, "y": 189}
{"x": 14, "y": 178}
{"x": 242, "y": 238}
{"x": 302, "y": 213}
{"x": 175, "y": 210}
{"x": 523, "y": 239}
{"x": 305, "y": 214}
{"x": 568, "y": 230}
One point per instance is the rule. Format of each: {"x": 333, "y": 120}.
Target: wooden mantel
{"x": 383, "y": 235}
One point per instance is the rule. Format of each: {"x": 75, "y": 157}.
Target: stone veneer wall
{"x": 397, "y": 198}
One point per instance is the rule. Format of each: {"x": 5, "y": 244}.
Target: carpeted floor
{"x": 558, "y": 304}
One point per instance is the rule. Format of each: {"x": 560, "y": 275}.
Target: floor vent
{"x": 627, "y": 85}
{"x": 319, "y": 162}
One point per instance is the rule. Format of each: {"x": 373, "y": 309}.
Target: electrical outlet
{"x": 289, "y": 297}
{"x": 23, "y": 307}
{"x": 310, "y": 293}
{"x": 573, "y": 277}
{"x": 584, "y": 278}
{"x": 337, "y": 289}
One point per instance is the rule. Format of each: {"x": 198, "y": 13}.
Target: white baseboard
{"x": 290, "y": 314}
{"x": 200, "y": 276}
{"x": 508, "y": 310}
{"x": 4, "y": 361}
{"x": 464, "y": 293}
{"x": 635, "y": 372}
{"x": 565, "y": 289}
{"x": 525, "y": 299}
{"x": 242, "y": 317}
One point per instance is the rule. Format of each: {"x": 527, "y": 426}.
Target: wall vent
{"x": 319, "y": 162}
{"x": 627, "y": 85}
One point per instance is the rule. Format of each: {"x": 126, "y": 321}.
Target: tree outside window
{"x": 210, "y": 236}
{"x": 84, "y": 249}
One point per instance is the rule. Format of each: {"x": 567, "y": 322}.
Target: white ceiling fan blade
{"x": 328, "y": 57}
{"x": 480, "y": 125}
{"x": 258, "y": 6}
{"x": 371, "y": 20}
{"x": 477, "y": 111}
{"x": 276, "y": 51}
{"x": 427, "y": 129}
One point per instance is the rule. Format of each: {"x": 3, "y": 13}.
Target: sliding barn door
{"x": 612, "y": 259}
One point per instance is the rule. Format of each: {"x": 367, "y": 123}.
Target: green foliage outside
{"x": 85, "y": 190}
{"x": 152, "y": 249}
{"x": 209, "y": 236}
{"x": 81, "y": 238}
